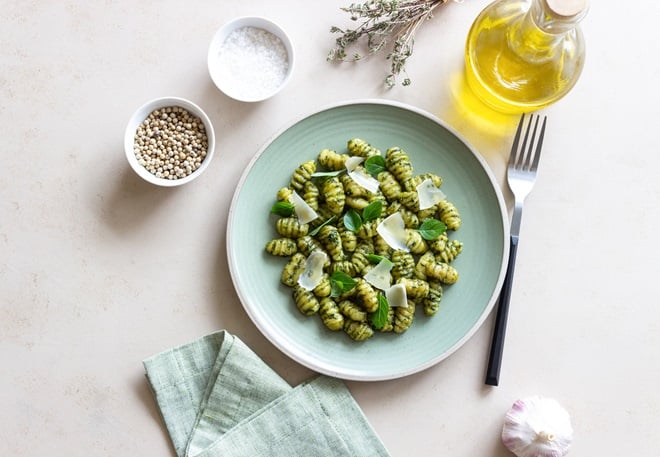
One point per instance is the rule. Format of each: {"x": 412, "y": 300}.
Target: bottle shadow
{"x": 489, "y": 131}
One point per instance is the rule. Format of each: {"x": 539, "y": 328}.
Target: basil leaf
{"x": 376, "y": 259}
{"x": 372, "y": 211}
{"x": 431, "y": 229}
{"x": 340, "y": 283}
{"x": 283, "y": 209}
{"x": 375, "y": 165}
{"x": 316, "y": 230}
{"x": 323, "y": 174}
{"x": 352, "y": 220}
{"x": 379, "y": 317}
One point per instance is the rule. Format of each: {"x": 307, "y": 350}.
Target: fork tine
{"x": 530, "y": 152}
{"x": 537, "y": 155}
{"x": 516, "y": 139}
{"x": 523, "y": 148}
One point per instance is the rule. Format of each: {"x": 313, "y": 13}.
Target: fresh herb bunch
{"x": 382, "y": 21}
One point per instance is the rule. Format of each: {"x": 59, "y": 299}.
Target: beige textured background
{"x": 99, "y": 270}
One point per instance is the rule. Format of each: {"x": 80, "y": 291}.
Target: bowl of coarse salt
{"x": 169, "y": 141}
{"x": 250, "y": 59}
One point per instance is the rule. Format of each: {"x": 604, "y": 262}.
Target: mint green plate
{"x": 432, "y": 147}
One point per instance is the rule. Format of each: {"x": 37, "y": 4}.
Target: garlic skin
{"x": 537, "y": 427}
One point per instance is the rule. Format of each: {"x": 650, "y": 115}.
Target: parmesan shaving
{"x": 380, "y": 276}
{"x": 313, "y": 272}
{"x": 392, "y": 229}
{"x": 353, "y": 162}
{"x": 305, "y": 213}
{"x": 396, "y": 295}
{"x": 359, "y": 175}
{"x": 428, "y": 194}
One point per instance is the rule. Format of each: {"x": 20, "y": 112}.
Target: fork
{"x": 521, "y": 174}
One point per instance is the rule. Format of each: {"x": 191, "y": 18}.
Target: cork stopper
{"x": 568, "y": 8}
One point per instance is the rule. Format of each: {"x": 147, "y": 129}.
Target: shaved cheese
{"x": 380, "y": 276}
{"x": 359, "y": 175}
{"x": 429, "y": 195}
{"x": 364, "y": 179}
{"x": 352, "y": 163}
{"x": 392, "y": 229}
{"x": 313, "y": 272}
{"x": 396, "y": 296}
{"x": 305, "y": 213}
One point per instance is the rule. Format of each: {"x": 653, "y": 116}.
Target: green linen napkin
{"x": 218, "y": 398}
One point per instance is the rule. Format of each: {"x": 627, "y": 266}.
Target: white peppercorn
{"x": 171, "y": 143}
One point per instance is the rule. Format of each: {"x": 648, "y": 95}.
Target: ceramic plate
{"x": 432, "y": 147}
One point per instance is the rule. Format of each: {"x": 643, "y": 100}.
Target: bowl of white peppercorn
{"x": 169, "y": 141}
{"x": 250, "y": 59}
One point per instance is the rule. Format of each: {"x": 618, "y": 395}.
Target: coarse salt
{"x": 254, "y": 63}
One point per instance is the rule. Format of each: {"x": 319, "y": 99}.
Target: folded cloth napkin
{"x": 218, "y": 398}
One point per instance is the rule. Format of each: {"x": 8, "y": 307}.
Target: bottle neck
{"x": 536, "y": 36}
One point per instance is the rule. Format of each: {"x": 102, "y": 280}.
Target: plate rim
{"x": 322, "y": 368}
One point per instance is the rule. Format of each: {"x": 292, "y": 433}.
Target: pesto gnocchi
{"x": 346, "y": 242}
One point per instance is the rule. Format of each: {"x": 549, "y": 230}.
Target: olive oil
{"x": 523, "y": 55}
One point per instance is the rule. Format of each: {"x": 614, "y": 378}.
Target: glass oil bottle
{"x": 523, "y": 55}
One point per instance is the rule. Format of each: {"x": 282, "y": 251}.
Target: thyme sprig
{"x": 384, "y": 23}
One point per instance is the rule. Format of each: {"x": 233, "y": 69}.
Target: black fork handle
{"x": 499, "y": 332}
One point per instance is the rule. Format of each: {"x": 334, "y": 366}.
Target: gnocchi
{"x": 422, "y": 265}
{"x": 332, "y": 160}
{"x": 330, "y": 315}
{"x": 359, "y": 147}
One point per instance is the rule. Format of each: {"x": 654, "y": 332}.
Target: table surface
{"x": 99, "y": 269}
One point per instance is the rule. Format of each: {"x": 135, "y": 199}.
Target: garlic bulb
{"x": 537, "y": 427}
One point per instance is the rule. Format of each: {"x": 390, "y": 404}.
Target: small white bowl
{"x": 242, "y": 84}
{"x": 141, "y": 114}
